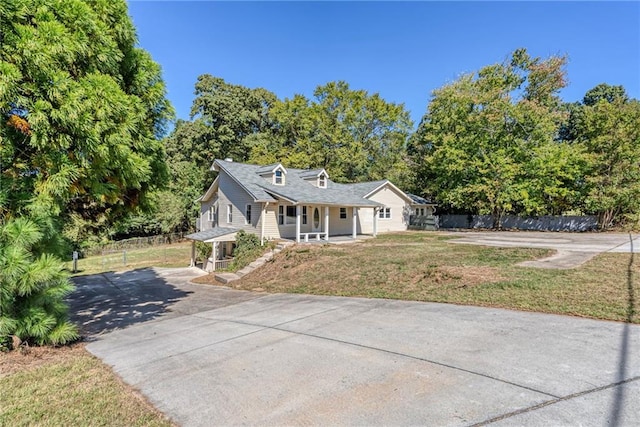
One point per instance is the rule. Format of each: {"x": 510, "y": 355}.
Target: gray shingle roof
{"x": 310, "y": 173}
{"x": 419, "y": 200}
{"x": 296, "y": 189}
{"x": 212, "y": 233}
{"x": 247, "y": 177}
{"x": 266, "y": 169}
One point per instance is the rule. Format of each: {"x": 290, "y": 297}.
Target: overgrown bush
{"x": 248, "y": 248}
{"x": 203, "y": 251}
{"x": 33, "y": 286}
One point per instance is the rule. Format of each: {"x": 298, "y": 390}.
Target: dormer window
{"x": 278, "y": 177}
{"x": 322, "y": 181}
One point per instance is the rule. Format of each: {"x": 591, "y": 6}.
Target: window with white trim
{"x": 291, "y": 215}
{"x": 247, "y": 214}
{"x": 304, "y": 215}
{"x": 384, "y": 213}
{"x": 229, "y": 214}
{"x": 322, "y": 181}
{"x": 343, "y": 213}
{"x": 281, "y": 215}
{"x": 211, "y": 214}
{"x": 278, "y": 177}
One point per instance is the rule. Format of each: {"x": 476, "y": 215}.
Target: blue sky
{"x": 402, "y": 50}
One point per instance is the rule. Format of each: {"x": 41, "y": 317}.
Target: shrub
{"x": 32, "y": 289}
{"x": 248, "y": 248}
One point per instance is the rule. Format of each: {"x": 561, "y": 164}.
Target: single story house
{"x": 274, "y": 202}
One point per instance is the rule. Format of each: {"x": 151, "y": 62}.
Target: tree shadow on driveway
{"x": 622, "y": 377}
{"x": 104, "y": 302}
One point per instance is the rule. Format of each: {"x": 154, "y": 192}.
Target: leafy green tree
{"x": 605, "y": 127}
{"x": 81, "y": 113}
{"x": 610, "y": 131}
{"x": 355, "y": 135}
{"x": 223, "y": 116}
{"x": 607, "y": 92}
{"x": 488, "y": 144}
{"x": 83, "y": 108}
{"x": 224, "y": 120}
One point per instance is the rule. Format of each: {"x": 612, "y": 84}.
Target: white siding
{"x": 365, "y": 221}
{"x": 339, "y": 226}
{"x": 271, "y": 230}
{"x": 400, "y": 210}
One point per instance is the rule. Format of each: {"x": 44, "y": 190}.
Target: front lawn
{"x": 423, "y": 266}
{"x": 169, "y": 255}
{"x": 68, "y": 387}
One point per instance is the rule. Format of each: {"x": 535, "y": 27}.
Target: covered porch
{"x": 222, "y": 242}
{"x": 304, "y": 223}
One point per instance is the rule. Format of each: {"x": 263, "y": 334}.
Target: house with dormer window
{"x": 275, "y": 202}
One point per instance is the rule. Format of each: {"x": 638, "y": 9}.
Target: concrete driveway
{"x": 572, "y": 249}
{"x": 209, "y": 355}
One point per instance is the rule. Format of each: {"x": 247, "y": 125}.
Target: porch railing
{"x": 222, "y": 264}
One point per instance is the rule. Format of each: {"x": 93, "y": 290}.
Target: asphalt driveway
{"x": 209, "y": 355}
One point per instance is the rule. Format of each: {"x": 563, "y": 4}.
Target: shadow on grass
{"x": 108, "y": 301}
{"x": 619, "y": 397}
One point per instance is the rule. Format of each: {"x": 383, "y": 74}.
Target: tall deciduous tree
{"x": 224, "y": 120}
{"x": 81, "y": 112}
{"x": 223, "y": 116}
{"x": 488, "y": 141}
{"x": 610, "y": 131}
{"x": 355, "y": 135}
{"x": 606, "y": 92}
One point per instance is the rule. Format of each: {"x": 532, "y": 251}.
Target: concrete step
{"x": 257, "y": 263}
{"x": 225, "y": 278}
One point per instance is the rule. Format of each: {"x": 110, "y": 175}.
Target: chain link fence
{"x": 133, "y": 255}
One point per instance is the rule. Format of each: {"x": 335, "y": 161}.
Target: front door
{"x": 315, "y": 221}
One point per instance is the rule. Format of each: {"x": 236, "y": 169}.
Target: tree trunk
{"x": 497, "y": 218}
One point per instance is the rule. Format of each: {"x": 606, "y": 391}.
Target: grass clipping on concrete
{"x": 423, "y": 266}
{"x": 68, "y": 387}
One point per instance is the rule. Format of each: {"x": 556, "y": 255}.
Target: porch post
{"x": 213, "y": 255}
{"x": 354, "y": 223}
{"x": 263, "y": 217}
{"x": 326, "y": 221}
{"x": 193, "y": 254}
{"x": 298, "y": 223}
{"x": 375, "y": 221}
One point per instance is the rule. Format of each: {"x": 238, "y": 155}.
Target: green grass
{"x": 424, "y": 266}
{"x": 68, "y": 387}
{"x": 172, "y": 255}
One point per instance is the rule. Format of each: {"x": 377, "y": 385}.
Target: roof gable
{"x": 389, "y": 184}
{"x": 269, "y": 169}
{"x": 313, "y": 173}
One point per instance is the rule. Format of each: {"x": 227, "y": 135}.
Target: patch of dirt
{"x": 207, "y": 279}
{"x": 472, "y": 276}
{"x": 467, "y": 276}
{"x": 26, "y": 357}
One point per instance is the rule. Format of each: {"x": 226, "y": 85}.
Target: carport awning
{"x": 216, "y": 234}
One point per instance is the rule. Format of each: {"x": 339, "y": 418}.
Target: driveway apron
{"x": 213, "y": 356}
